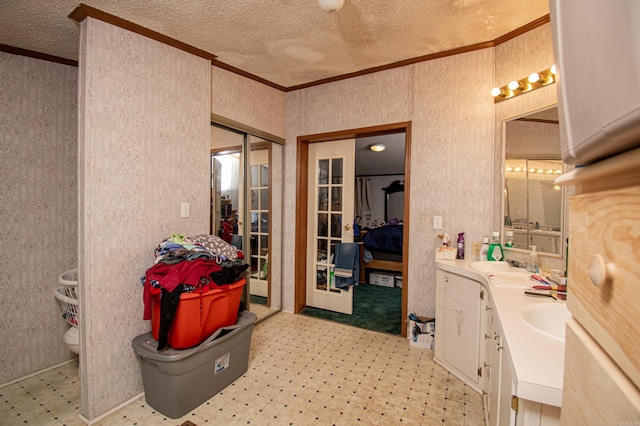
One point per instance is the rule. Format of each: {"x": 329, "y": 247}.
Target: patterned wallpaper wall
{"x": 248, "y": 102}
{"x": 38, "y": 209}
{"x": 144, "y": 114}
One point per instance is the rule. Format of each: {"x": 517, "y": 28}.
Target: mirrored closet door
{"x": 246, "y": 209}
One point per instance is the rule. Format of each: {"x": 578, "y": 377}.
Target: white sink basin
{"x": 488, "y": 266}
{"x": 548, "y": 319}
{"x": 518, "y": 278}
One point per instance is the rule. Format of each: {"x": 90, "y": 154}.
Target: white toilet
{"x": 72, "y": 339}
{"x": 67, "y": 295}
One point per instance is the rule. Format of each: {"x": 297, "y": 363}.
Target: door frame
{"x": 302, "y": 186}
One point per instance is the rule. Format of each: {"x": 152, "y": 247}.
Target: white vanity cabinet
{"x": 502, "y": 405}
{"x": 480, "y": 339}
{"x": 459, "y": 324}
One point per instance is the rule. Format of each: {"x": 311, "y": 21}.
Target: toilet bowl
{"x": 72, "y": 339}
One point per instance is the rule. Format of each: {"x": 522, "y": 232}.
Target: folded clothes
{"x": 347, "y": 265}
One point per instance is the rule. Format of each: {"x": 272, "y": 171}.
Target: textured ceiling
{"x": 286, "y": 42}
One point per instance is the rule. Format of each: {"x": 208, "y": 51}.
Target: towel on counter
{"x": 347, "y": 265}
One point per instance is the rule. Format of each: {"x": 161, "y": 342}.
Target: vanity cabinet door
{"x": 493, "y": 379}
{"x": 457, "y": 345}
{"x": 596, "y": 391}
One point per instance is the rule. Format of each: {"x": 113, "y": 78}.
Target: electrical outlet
{"x": 184, "y": 210}
{"x": 475, "y": 247}
{"x": 437, "y": 222}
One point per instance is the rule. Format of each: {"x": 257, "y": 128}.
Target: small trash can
{"x": 177, "y": 381}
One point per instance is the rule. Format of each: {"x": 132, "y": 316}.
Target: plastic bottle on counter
{"x": 495, "y": 248}
{"x": 484, "y": 250}
{"x": 508, "y": 239}
{"x": 461, "y": 245}
{"x": 532, "y": 266}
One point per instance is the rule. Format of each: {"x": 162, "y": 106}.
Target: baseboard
{"x": 39, "y": 372}
{"x": 110, "y": 412}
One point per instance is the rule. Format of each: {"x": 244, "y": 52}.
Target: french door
{"x": 329, "y": 221}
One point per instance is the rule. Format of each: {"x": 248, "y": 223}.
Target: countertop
{"x": 536, "y": 360}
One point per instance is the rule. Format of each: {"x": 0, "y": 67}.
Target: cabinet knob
{"x": 601, "y": 271}
{"x": 446, "y": 279}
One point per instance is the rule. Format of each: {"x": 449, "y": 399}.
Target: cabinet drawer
{"x": 606, "y": 224}
{"x": 596, "y": 391}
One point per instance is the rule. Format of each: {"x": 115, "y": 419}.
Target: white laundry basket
{"x": 69, "y": 279}
{"x": 67, "y": 295}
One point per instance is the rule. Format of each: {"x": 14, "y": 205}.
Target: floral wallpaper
{"x": 144, "y": 112}
{"x": 38, "y": 209}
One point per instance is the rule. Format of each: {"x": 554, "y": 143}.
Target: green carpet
{"x": 258, "y": 300}
{"x": 374, "y": 308}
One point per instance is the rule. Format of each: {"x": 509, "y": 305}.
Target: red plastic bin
{"x": 199, "y": 315}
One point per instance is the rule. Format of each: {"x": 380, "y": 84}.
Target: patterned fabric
{"x": 215, "y": 245}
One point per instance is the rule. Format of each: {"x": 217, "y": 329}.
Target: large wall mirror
{"x": 246, "y": 209}
{"x": 533, "y": 206}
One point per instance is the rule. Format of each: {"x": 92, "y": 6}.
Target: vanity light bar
{"x": 534, "y": 81}
{"x": 533, "y": 171}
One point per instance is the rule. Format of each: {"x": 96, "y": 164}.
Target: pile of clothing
{"x": 197, "y": 263}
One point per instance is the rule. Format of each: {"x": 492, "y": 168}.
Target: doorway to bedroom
{"x": 380, "y": 203}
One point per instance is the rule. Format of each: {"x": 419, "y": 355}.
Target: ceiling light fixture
{"x": 378, "y": 147}
{"x": 330, "y": 6}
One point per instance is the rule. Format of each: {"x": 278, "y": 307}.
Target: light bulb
{"x": 513, "y": 85}
{"x": 534, "y": 77}
{"x": 553, "y": 69}
{"x": 496, "y": 91}
{"x": 330, "y": 6}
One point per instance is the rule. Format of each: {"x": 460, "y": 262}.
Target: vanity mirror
{"x": 533, "y": 206}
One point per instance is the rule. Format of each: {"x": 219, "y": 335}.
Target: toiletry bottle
{"x": 508, "y": 239}
{"x": 461, "y": 245}
{"x": 484, "y": 250}
{"x": 532, "y": 266}
{"x": 495, "y": 248}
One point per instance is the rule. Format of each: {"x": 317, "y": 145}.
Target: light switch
{"x": 184, "y": 210}
{"x": 437, "y": 222}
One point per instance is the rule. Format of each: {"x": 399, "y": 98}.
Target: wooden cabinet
{"x": 603, "y": 338}
{"x": 458, "y": 326}
{"x": 584, "y": 393}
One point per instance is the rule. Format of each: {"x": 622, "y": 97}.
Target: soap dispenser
{"x": 532, "y": 266}
{"x": 484, "y": 251}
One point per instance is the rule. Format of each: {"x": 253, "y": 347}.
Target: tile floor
{"x": 302, "y": 371}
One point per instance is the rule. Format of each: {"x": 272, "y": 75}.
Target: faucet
{"x": 515, "y": 263}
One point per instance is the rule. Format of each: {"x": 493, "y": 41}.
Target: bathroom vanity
{"x": 487, "y": 335}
